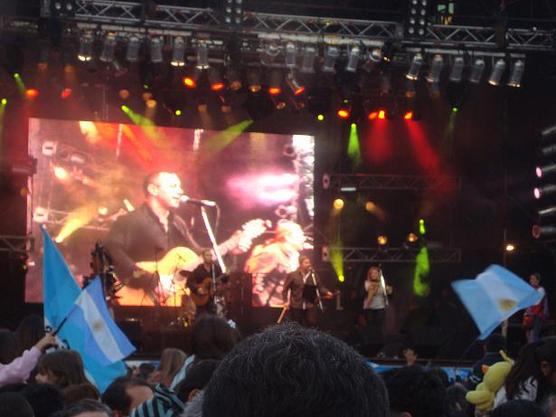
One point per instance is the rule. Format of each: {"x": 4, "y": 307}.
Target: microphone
{"x": 205, "y": 203}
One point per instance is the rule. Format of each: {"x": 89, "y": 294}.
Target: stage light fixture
{"x": 190, "y": 80}
{"x": 269, "y": 54}
{"x": 477, "y": 70}
{"x": 320, "y": 117}
{"x": 62, "y": 8}
{"x": 382, "y": 114}
{"x": 178, "y": 52}
{"x": 275, "y": 83}
{"x": 516, "y": 74}
{"x": 291, "y": 55}
{"x": 202, "y": 56}
{"x": 233, "y": 12}
{"x": 31, "y": 93}
{"x": 408, "y": 115}
{"x": 510, "y": 247}
{"x": 456, "y": 72}
{"x": 382, "y": 240}
{"x": 544, "y": 190}
{"x": 308, "y": 61}
{"x": 132, "y": 52}
{"x": 376, "y": 55}
{"x": 353, "y": 59}
{"x": 4, "y": 101}
{"x": 415, "y": 68}
{"x": 295, "y": 86}
{"x": 548, "y": 212}
{"x": 108, "y": 49}
{"x": 178, "y": 112}
{"x": 85, "y": 48}
{"x": 417, "y": 18}
{"x": 548, "y": 131}
{"x": 497, "y": 72}
{"x": 338, "y": 204}
{"x": 66, "y": 93}
{"x": 543, "y": 231}
{"x": 156, "y": 50}
{"x": 331, "y": 54}
{"x": 548, "y": 150}
{"x": 412, "y": 238}
{"x": 435, "y": 71}
{"x": 543, "y": 171}
{"x": 234, "y": 79}
{"x": 215, "y": 80}
{"x": 344, "y": 111}
{"x": 254, "y": 80}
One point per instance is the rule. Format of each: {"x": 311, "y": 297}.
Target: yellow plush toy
{"x": 483, "y": 396}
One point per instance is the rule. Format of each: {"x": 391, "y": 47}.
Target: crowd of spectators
{"x": 286, "y": 370}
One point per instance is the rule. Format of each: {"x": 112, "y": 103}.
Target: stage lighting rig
{"x": 477, "y": 70}
{"x": 497, "y": 72}
{"x": 331, "y": 54}
{"x": 417, "y": 18}
{"x": 133, "y": 47}
{"x": 291, "y": 56}
{"x": 308, "y": 61}
{"x": 178, "y": 52}
{"x": 456, "y": 71}
{"x": 415, "y": 67}
{"x": 353, "y": 59}
{"x": 108, "y": 49}
{"x": 435, "y": 71}
{"x": 516, "y": 74}
{"x": 62, "y": 8}
{"x": 269, "y": 54}
{"x": 156, "y": 50}
{"x": 202, "y": 56}
{"x": 85, "y": 48}
{"x": 233, "y": 12}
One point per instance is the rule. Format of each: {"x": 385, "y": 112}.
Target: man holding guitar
{"x": 152, "y": 245}
{"x": 202, "y": 283}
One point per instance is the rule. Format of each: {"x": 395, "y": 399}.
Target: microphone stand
{"x": 213, "y": 240}
{"x": 317, "y": 288}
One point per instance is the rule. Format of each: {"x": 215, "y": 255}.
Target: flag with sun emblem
{"x": 493, "y": 296}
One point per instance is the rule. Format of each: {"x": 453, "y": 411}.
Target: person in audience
{"x": 409, "y": 355}
{"x": 292, "y": 371}
{"x": 8, "y": 346}
{"x": 415, "y": 392}
{"x": 518, "y": 408}
{"x": 13, "y": 404}
{"x": 194, "y": 408}
{"x": 29, "y": 332}
{"x": 163, "y": 403}
{"x": 211, "y": 338}
{"x": 171, "y": 362}
{"x": 18, "y": 369}
{"x": 197, "y": 378}
{"x": 79, "y": 392}
{"x": 535, "y": 316}
{"x": 45, "y": 399}
{"x": 87, "y": 408}
{"x": 456, "y": 404}
{"x": 549, "y": 406}
{"x": 125, "y": 393}
{"x": 533, "y": 376}
{"x": 61, "y": 368}
{"x": 494, "y": 344}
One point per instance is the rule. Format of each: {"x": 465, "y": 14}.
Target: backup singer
{"x": 376, "y": 299}
{"x": 306, "y": 293}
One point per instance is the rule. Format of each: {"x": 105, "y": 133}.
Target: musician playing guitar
{"x": 151, "y": 245}
{"x": 202, "y": 283}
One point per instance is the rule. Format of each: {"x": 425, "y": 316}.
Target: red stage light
{"x": 382, "y": 114}
{"x": 343, "y": 114}
{"x": 217, "y": 86}
{"x": 274, "y": 91}
{"x": 189, "y": 82}
{"x": 299, "y": 91}
{"x": 66, "y": 93}
{"x": 408, "y": 115}
{"x": 32, "y": 93}
{"x": 373, "y": 115}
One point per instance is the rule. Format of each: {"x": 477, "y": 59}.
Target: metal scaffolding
{"x": 16, "y": 244}
{"x": 302, "y": 28}
{"x": 361, "y": 182}
{"x": 397, "y": 255}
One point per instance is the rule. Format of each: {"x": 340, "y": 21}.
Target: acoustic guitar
{"x": 201, "y": 299}
{"x": 172, "y": 286}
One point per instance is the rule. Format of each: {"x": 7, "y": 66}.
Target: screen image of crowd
{"x": 284, "y": 370}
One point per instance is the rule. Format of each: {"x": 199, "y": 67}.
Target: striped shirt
{"x": 165, "y": 403}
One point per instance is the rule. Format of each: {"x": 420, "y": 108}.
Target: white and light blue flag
{"x": 60, "y": 295}
{"x": 493, "y": 296}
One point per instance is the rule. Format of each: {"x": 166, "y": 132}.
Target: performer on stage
{"x": 306, "y": 293}
{"x": 536, "y": 315}
{"x": 150, "y": 245}
{"x": 376, "y": 299}
{"x": 202, "y": 283}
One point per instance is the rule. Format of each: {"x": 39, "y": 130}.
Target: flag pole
{"x": 60, "y": 326}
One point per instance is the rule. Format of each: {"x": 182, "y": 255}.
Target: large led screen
{"x": 90, "y": 188}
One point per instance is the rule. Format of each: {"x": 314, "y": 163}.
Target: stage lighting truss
{"x": 19, "y": 245}
{"x": 390, "y": 182}
{"x": 545, "y": 192}
{"x": 417, "y": 18}
{"x": 233, "y": 12}
{"x": 395, "y": 254}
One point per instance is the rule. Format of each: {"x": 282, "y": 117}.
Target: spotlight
{"x": 202, "y": 56}
{"x": 416, "y": 23}
{"x": 66, "y": 93}
{"x": 338, "y": 204}
{"x": 178, "y": 112}
{"x": 320, "y": 117}
{"x": 178, "y": 52}
{"x": 254, "y": 80}
{"x": 548, "y": 150}
{"x": 543, "y": 231}
{"x": 156, "y": 50}
{"x": 408, "y": 115}
{"x": 414, "y": 68}
{"x": 108, "y": 49}
{"x": 32, "y": 93}
{"x": 62, "y": 8}
{"x": 331, "y": 54}
{"x": 516, "y": 74}
{"x": 234, "y": 80}
{"x": 215, "y": 80}
{"x": 344, "y": 112}
{"x": 382, "y": 240}
{"x": 85, "y": 48}
{"x": 457, "y": 69}
{"x": 269, "y": 54}
{"x": 497, "y": 72}
{"x": 133, "y": 46}
{"x": 477, "y": 71}
{"x": 510, "y": 247}
{"x": 190, "y": 80}
{"x": 308, "y": 62}
{"x": 295, "y": 86}
{"x": 545, "y": 170}
{"x": 353, "y": 59}
{"x": 275, "y": 83}
{"x": 436, "y": 69}
{"x": 547, "y": 189}
{"x": 291, "y": 55}
{"x": 548, "y": 212}
{"x": 412, "y": 238}
{"x": 376, "y": 55}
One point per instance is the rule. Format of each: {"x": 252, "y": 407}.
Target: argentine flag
{"x": 493, "y": 296}
{"x": 61, "y": 293}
